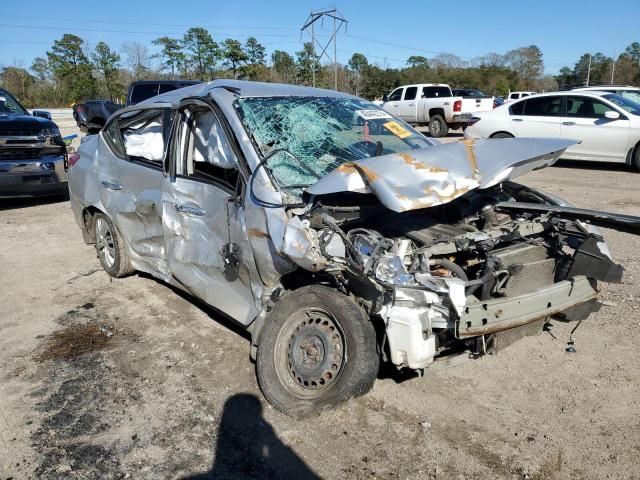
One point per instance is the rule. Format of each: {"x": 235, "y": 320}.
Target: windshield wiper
{"x": 263, "y": 163}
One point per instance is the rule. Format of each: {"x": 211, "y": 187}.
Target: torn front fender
{"x": 436, "y": 175}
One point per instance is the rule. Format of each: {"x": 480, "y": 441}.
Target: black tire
{"x": 317, "y": 348}
{"x": 110, "y": 248}
{"x": 502, "y": 135}
{"x": 438, "y": 126}
{"x": 635, "y": 157}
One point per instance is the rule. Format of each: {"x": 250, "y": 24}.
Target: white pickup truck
{"x": 433, "y": 104}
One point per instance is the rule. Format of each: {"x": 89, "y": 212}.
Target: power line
{"x": 100, "y": 30}
{"x": 118, "y": 22}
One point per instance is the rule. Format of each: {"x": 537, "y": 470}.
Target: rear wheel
{"x": 110, "y": 248}
{"x": 502, "y": 135}
{"x": 316, "y": 349}
{"x": 437, "y": 126}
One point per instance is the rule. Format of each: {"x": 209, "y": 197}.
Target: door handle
{"x": 411, "y": 104}
{"x": 516, "y": 119}
{"x": 568, "y": 123}
{"x": 189, "y": 210}
{"x": 111, "y": 185}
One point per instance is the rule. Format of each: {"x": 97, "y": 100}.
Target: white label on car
{"x": 373, "y": 114}
{"x": 2, "y": 99}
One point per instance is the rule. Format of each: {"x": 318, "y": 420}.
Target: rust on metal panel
{"x": 471, "y": 155}
{"x": 257, "y": 233}
{"x": 367, "y": 173}
{"x": 413, "y": 162}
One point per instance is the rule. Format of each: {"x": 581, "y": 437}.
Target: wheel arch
{"x": 503, "y": 132}
{"x": 436, "y": 111}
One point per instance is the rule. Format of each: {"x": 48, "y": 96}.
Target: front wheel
{"x": 438, "y": 126}
{"x": 316, "y": 349}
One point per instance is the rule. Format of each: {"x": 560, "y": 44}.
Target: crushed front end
{"x": 450, "y": 277}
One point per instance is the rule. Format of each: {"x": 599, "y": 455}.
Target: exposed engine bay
{"x": 453, "y": 275}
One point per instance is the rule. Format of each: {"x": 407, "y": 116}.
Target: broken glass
{"x": 322, "y": 133}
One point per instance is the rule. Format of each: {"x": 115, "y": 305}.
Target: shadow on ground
{"x": 248, "y": 447}
{"x": 17, "y": 203}
{"x": 609, "y": 166}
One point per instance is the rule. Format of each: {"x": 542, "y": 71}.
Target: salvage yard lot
{"x": 106, "y": 378}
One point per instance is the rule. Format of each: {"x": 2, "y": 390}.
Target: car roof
{"x": 166, "y": 82}
{"x": 244, "y": 89}
{"x": 606, "y": 87}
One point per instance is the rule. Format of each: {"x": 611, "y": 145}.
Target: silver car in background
{"x": 335, "y": 233}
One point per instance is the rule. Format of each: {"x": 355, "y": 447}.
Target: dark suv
{"x": 33, "y": 157}
{"x": 143, "y": 89}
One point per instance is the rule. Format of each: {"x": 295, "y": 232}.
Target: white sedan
{"x": 607, "y": 125}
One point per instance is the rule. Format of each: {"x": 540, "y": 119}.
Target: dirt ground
{"x": 103, "y": 379}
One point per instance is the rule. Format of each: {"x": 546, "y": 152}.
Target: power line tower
{"x": 309, "y": 25}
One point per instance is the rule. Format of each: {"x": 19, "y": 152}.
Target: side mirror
{"x": 611, "y": 115}
{"x": 385, "y": 98}
{"x": 42, "y": 114}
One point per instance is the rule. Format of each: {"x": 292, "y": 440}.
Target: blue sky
{"x": 562, "y": 29}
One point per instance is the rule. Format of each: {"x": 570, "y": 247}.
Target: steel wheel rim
{"x": 436, "y": 126}
{"x": 313, "y": 352}
{"x": 105, "y": 242}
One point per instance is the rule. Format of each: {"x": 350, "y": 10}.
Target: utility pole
{"x": 613, "y": 67}
{"x": 338, "y": 22}
{"x": 589, "y": 70}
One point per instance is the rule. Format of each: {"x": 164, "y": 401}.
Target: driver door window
{"x": 207, "y": 155}
{"x": 396, "y": 95}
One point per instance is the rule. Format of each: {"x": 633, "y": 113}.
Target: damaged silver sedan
{"x": 336, "y": 234}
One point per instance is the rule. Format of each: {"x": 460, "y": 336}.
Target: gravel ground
{"x": 171, "y": 392}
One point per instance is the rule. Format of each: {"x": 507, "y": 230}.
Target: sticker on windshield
{"x": 373, "y": 114}
{"x": 397, "y": 129}
{"x": 2, "y": 99}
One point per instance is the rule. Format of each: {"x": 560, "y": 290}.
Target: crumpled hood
{"x": 435, "y": 175}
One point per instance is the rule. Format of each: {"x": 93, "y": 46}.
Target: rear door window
{"x": 143, "y": 136}
{"x": 543, "y": 106}
{"x": 517, "y": 108}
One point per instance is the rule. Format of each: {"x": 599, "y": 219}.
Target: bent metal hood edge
{"x": 436, "y": 175}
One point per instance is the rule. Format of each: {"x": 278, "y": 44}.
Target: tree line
{"x": 71, "y": 72}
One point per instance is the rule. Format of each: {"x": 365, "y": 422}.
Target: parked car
{"x": 434, "y": 105}
{"x": 632, "y": 93}
{"x": 334, "y": 232}
{"x": 92, "y": 115}
{"x": 513, "y": 96}
{"x": 33, "y": 156}
{"x": 144, "y": 89}
{"x": 606, "y": 125}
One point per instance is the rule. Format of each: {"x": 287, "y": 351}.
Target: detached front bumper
{"x": 46, "y": 175}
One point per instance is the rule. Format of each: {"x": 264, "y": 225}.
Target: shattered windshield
{"x": 315, "y": 135}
